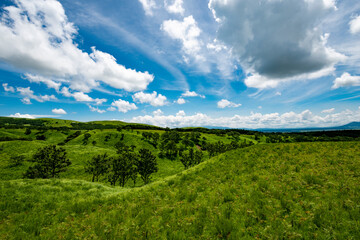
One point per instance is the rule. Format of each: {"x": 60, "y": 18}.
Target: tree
{"x": 41, "y": 137}
{"x": 97, "y": 166}
{"x": 49, "y": 163}
{"x": 28, "y": 131}
{"x": 86, "y": 138}
{"x": 146, "y": 164}
{"x": 191, "y": 158}
{"x": 122, "y": 168}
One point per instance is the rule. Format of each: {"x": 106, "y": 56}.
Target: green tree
{"x": 122, "y": 167}
{"x": 191, "y": 158}
{"x": 146, "y": 164}
{"x": 97, "y": 166}
{"x": 86, "y": 138}
{"x": 49, "y": 163}
{"x": 28, "y": 131}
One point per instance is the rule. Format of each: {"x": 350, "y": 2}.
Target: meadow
{"x": 263, "y": 191}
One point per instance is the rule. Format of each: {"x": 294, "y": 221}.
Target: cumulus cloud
{"x": 191, "y": 94}
{"x": 346, "y": 80}
{"x": 158, "y": 112}
{"x": 26, "y": 101}
{"x": 8, "y": 88}
{"x": 175, "y": 7}
{"x": 19, "y": 115}
{"x": 272, "y": 48}
{"x": 29, "y": 94}
{"x": 148, "y": 6}
{"x": 123, "y": 106}
{"x": 186, "y": 31}
{"x": 223, "y": 103}
{"x": 51, "y": 56}
{"x": 31, "y": 116}
{"x": 355, "y": 25}
{"x": 331, "y": 110}
{"x": 59, "y": 111}
{"x": 82, "y": 97}
{"x": 96, "y": 109}
{"x": 180, "y": 101}
{"x": 154, "y": 99}
{"x": 252, "y": 121}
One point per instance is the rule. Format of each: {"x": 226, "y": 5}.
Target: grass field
{"x": 267, "y": 191}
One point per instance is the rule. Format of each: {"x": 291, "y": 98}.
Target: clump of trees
{"x": 70, "y": 137}
{"x": 220, "y": 147}
{"x": 151, "y": 138}
{"x": 126, "y": 165}
{"x": 86, "y": 138}
{"x": 191, "y": 158}
{"x": 49, "y": 161}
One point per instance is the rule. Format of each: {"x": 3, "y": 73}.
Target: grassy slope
{"x": 307, "y": 190}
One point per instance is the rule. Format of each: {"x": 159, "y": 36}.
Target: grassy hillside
{"x": 269, "y": 191}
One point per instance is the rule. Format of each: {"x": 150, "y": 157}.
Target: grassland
{"x": 266, "y": 191}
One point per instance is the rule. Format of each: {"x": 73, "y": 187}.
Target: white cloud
{"x": 186, "y": 31}
{"x": 191, "y": 94}
{"x": 252, "y": 121}
{"x": 269, "y": 47}
{"x": 111, "y": 109}
{"x": 148, "y": 6}
{"x": 59, "y": 111}
{"x": 48, "y": 82}
{"x": 29, "y": 94}
{"x": 154, "y": 99}
{"x": 123, "y": 106}
{"x": 96, "y": 109}
{"x": 331, "y": 110}
{"x": 158, "y": 112}
{"x": 181, "y": 113}
{"x": 346, "y": 80}
{"x": 278, "y": 94}
{"x": 355, "y": 25}
{"x": 82, "y": 97}
{"x": 19, "y": 115}
{"x": 226, "y": 103}
{"x": 26, "y": 101}
{"x": 8, "y": 88}
{"x": 51, "y": 53}
{"x": 180, "y": 101}
{"x": 31, "y": 116}
{"x": 175, "y": 7}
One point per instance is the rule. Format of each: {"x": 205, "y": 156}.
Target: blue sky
{"x": 176, "y": 63}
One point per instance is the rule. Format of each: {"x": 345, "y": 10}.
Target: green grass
{"x": 268, "y": 191}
